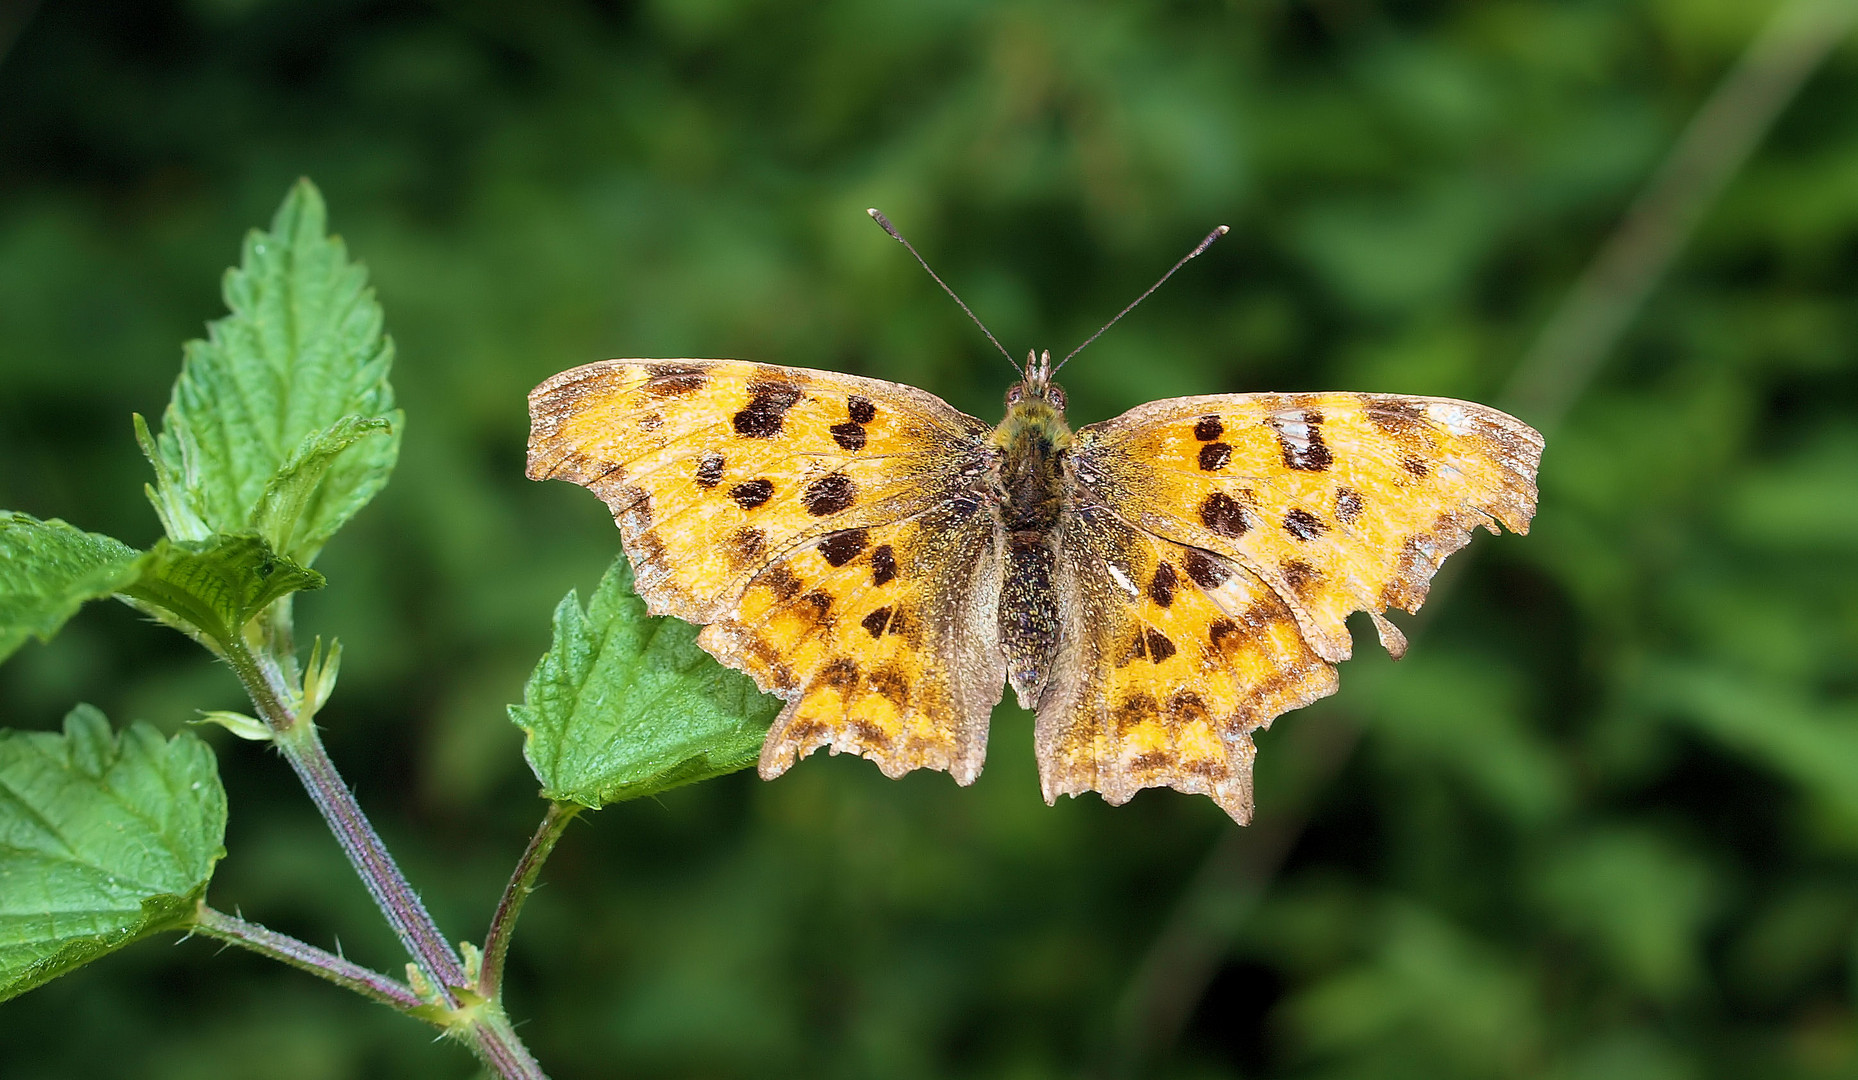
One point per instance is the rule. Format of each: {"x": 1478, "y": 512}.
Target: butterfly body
{"x": 1155, "y": 587}
{"x": 1033, "y": 493}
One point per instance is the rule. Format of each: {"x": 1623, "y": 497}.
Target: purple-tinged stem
{"x": 303, "y": 748}
{"x": 305, "y": 957}
{"x": 522, "y": 883}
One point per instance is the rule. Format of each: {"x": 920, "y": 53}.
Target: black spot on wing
{"x": 1214, "y": 456}
{"x": 1301, "y": 441}
{"x": 829, "y": 494}
{"x": 820, "y": 602}
{"x": 848, "y": 436}
{"x": 1209, "y": 428}
{"x": 842, "y": 547}
{"x": 1304, "y": 525}
{"x": 841, "y": 674}
{"x": 860, "y": 409}
{"x": 780, "y": 581}
{"x": 883, "y": 565}
{"x": 1301, "y": 577}
{"x": 1134, "y": 710}
{"x": 875, "y": 622}
{"x": 1159, "y": 647}
{"x": 892, "y": 684}
{"x": 1395, "y": 417}
{"x": 673, "y": 380}
{"x": 746, "y": 547}
{"x": 1348, "y": 505}
{"x": 1222, "y": 514}
{"x": 1207, "y": 572}
{"x": 753, "y": 493}
{"x": 710, "y": 469}
{"x": 1161, "y": 589}
{"x": 767, "y": 405}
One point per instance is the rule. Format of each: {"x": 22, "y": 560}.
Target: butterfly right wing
{"x": 786, "y": 508}
{"x": 1169, "y": 658}
{"x": 1217, "y": 545}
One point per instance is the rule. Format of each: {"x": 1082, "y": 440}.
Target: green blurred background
{"x": 1602, "y": 822}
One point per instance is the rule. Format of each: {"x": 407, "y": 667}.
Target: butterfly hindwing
{"x": 1339, "y": 502}
{"x": 884, "y": 639}
{"x": 1170, "y": 657}
{"x": 786, "y": 508}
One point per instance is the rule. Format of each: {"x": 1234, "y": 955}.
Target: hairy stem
{"x": 495, "y": 1040}
{"x": 522, "y": 883}
{"x": 480, "y": 1024}
{"x": 303, "y": 748}
{"x": 305, "y": 957}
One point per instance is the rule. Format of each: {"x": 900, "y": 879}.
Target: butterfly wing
{"x": 1263, "y": 521}
{"x": 1338, "y": 502}
{"x": 1169, "y": 657}
{"x": 792, "y": 511}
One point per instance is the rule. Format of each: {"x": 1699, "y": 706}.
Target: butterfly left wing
{"x": 822, "y": 526}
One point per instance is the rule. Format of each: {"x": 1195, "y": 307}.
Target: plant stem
{"x": 303, "y": 748}
{"x": 306, "y": 957}
{"x": 483, "y": 1026}
{"x": 404, "y": 910}
{"x": 495, "y": 1040}
{"x": 522, "y": 883}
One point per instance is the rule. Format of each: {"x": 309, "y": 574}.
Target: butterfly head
{"x": 1037, "y": 386}
{"x": 1034, "y": 428}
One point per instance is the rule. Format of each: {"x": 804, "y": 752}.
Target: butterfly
{"x": 1155, "y": 588}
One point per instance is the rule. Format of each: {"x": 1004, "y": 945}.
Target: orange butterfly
{"x": 1156, "y": 587}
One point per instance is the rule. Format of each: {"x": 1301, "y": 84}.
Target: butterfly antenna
{"x": 878, "y": 216}
{"x": 1204, "y": 244}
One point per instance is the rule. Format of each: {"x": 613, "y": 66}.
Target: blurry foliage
{"x": 1605, "y": 819}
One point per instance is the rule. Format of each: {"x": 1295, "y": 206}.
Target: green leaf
{"x": 210, "y": 589}
{"x": 282, "y": 420}
{"x": 103, "y": 839}
{"x": 625, "y": 705}
{"x": 48, "y": 569}
{"x": 285, "y": 506}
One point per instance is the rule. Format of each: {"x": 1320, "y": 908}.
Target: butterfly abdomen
{"x": 1032, "y": 442}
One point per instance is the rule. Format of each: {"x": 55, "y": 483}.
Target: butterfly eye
{"x": 1013, "y": 394}
{"x": 1056, "y": 397}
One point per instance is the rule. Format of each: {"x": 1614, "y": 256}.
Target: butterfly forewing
{"x": 1338, "y": 502}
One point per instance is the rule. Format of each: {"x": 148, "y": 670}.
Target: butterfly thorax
{"x": 1032, "y": 442}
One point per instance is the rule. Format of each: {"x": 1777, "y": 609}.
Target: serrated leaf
{"x": 210, "y": 589}
{"x": 103, "y": 839}
{"x": 625, "y": 705}
{"x": 48, "y": 569}
{"x": 266, "y": 426}
{"x": 282, "y": 512}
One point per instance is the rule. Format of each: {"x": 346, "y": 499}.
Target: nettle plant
{"x": 282, "y": 426}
